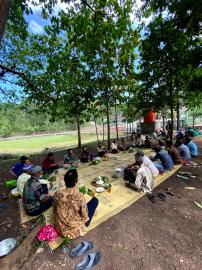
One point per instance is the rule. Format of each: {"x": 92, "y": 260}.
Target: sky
{"x": 36, "y": 22}
{"x": 36, "y": 25}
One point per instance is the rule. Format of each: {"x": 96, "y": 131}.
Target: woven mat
{"x": 24, "y": 218}
{"x": 109, "y": 203}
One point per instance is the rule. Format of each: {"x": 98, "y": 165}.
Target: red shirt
{"x": 47, "y": 163}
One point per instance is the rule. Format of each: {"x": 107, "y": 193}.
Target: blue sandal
{"x": 89, "y": 261}
{"x": 81, "y": 249}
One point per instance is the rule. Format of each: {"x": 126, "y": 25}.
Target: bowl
{"x": 100, "y": 189}
{"x": 118, "y": 170}
{"x": 6, "y": 246}
{"x": 100, "y": 182}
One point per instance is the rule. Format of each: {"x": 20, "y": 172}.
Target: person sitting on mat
{"x": 142, "y": 178}
{"x": 25, "y": 176}
{"x": 48, "y": 164}
{"x": 184, "y": 151}
{"x": 17, "y": 169}
{"x": 147, "y": 142}
{"x": 71, "y": 159}
{"x": 85, "y": 155}
{"x": 173, "y": 152}
{"x": 147, "y": 162}
{"x": 165, "y": 162}
{"x": 35, "y": 195}
{"x": 192, "y": 146}
{"x": 72, "y": 215}
{"x": 102, "y": 151}
{"x": 114, "y": 147}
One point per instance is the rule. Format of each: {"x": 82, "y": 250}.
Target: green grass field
{"x": 37, "y": 144}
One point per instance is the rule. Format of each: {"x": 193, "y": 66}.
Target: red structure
{"x": 150, "y": 117}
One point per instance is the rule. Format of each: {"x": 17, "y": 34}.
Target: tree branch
{"x": 29, "y": 83}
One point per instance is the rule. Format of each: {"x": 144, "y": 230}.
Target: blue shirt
{"x": 165, "y": 159}
{"x": 184, "y": 152}
{"x": 18, "y": 168}
{"x": 193, "y": 148}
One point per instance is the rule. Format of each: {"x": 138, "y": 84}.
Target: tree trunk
{"x": 117, "y": 128}
{"x": 96, "y": 130}
{"x": 4, "y": 11}
{"x": 103, "y": 129}
{"x": 163, "y": 116}
{"x": 127, "y": 129}
{"x": 108, "y": 127}
{"x": 178, "y": 117}
{"x": 78, "y": 130}
{"x": 172, "y": 114}
{"x": 193, "y": 119}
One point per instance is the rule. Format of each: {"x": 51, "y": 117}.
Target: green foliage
{"x": 15, "y": 121}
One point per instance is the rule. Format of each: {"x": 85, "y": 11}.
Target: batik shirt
{"x": 70, "y": 213}
{"x": 32, "y": 194}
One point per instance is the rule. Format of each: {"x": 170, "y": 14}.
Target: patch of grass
{"x": 37, "y": 144}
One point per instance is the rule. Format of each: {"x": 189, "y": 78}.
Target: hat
{"x": 36, "y": 169}
{"x": 27, "y": 167}
{"x": 139, "y": 153}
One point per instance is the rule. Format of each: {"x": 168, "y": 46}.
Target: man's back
{"x": 149, "y": 164}
{"x": 184, "y": 152}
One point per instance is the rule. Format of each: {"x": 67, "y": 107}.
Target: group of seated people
{"x": 140, "y": 174}
{"x": 72, "y": 215}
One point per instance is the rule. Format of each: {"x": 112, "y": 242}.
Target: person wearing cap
{"x": 17, "y": 169}
{"x": 147, "y": 163}
{"x": 22, "y": 179}
{"x": 35, "y": 195}
{"x": 72, "y": 215}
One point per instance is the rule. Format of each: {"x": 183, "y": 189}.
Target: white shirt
{"x": 142, "y": 173}
{"x": 22, "y": 179}
{"x": 114, "y": 146}
{"x": 149, "y": 164}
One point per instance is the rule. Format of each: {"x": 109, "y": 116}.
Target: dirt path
{"x": 145, "y": 236}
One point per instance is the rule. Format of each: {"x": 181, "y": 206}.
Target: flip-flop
{"x": 89, "y": 261}
{"x": 152, "y": 197}
{"x": 162, "y": 195}
{"x": 81, "y": 248}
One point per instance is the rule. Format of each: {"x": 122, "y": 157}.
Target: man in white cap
{"x": 35, "y": 196}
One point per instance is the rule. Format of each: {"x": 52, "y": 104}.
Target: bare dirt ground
{"x": 145, "y": 236}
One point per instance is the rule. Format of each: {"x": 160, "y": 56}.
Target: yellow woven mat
{"x": 111, "y": 203}
{"x": 24, "y": 218}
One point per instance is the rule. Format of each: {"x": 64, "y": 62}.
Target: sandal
{"x": 162, "y": 196}
{"x": 151, "y": 197}
{"x": 89, "y": 261}
{"x": 81, "y": 249}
